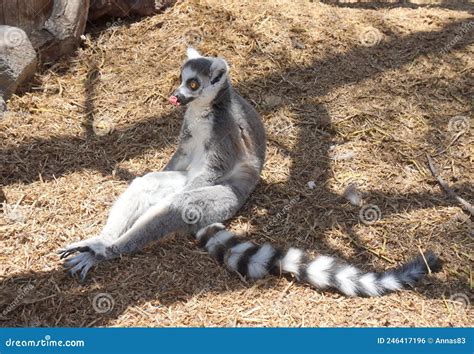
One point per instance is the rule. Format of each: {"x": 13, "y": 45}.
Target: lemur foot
{"x": 92, "y": 251}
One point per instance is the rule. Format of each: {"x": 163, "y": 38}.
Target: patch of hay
{"x": 375, "y": 86}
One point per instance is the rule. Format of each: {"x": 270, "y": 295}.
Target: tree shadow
{"x": 375, "y": 4}
{"x": 21, "y": 163}
{"x": 61, "y": 301}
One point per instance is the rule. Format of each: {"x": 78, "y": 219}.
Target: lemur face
{"x": 201, "y": 79}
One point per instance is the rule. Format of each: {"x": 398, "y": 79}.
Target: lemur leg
{"x": 188, "y": 211}
{"x": 143, "y": 193}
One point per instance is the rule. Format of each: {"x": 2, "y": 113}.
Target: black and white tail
{"x": 254, "y": 261}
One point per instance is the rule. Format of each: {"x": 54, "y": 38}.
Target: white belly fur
{"x": 201, "y": 130}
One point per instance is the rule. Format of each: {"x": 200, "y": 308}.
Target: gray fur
{"x": 215, "y": 168}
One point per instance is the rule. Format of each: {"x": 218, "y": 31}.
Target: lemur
{"x": 215, "y": 168}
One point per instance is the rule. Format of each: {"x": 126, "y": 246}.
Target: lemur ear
{"x": 192, "y": 53}
{"x": 219, "y": 67}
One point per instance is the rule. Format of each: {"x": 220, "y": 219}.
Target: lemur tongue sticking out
{"x": 215, "y": 168}
{"x": 174, "y": 101}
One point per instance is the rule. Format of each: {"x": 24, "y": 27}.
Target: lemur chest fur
{"x": 198, "y": 132}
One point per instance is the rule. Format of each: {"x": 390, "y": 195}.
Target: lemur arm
{"x": 179, "y": 161}
{"x": 210, "y": 175}
{"x": 202, "y": 180}
{"x": 181, "y": 158}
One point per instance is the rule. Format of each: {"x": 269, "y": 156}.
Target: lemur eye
{"x": 193, "y": 84}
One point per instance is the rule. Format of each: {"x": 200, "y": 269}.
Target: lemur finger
{"x": 76, "y": 268}
{"x": 74, "y": 260}
{"x": 85, "y": 270}
{"x": 61, "y": 251}
{"x": 67, "y": 252}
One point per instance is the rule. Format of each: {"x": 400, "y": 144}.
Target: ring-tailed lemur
{"x": 212, "y": 173}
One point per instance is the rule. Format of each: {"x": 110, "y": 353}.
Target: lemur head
{"x": 201, "y": 79}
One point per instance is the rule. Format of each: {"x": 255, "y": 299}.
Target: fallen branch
{"x": 464, "y": 204}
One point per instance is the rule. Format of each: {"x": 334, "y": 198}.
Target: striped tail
{"x": 255, "y": 262}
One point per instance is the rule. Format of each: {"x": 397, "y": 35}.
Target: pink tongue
{"x": 174, "y": 101}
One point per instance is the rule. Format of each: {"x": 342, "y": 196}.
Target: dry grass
{"x": 349, "y": 112}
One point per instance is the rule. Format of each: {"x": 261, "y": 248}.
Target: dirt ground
{"x": 349, "y": 93}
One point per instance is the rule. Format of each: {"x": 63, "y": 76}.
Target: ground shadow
{"x": 365, "y": 4}
{"x": 52, "y": 298}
